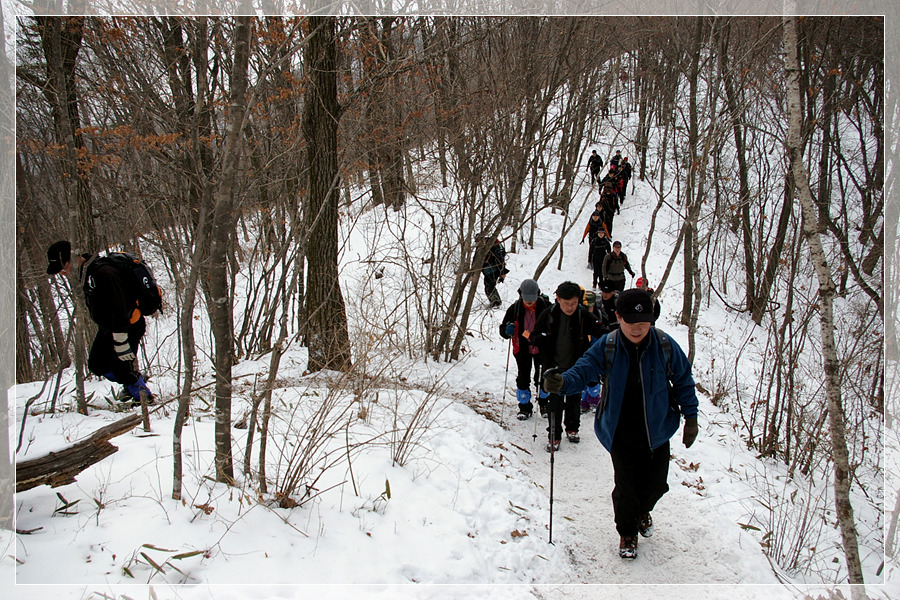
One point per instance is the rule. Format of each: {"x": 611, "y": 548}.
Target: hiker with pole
{"x": 517, "y": 326}
{"x": 563, "y": 334}
{"x": 647, "y": 386}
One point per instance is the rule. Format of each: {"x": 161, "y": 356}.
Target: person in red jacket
{"x": 518, "y": 324}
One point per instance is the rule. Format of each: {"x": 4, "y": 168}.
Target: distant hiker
{"x": 621, "y": 183}
{"x": 600, "y": 247}
{"x": 642, "y": 284}
{"x": 616, "y": 159}
{"x": 119, "y": 290}
{"x": 518, "y": 324}
{"x": 594, "y": 224}
{"x": 604, "y": 106}
{"x": 564, "y": 332}
{"x": 626, "y": 170}
{"x": 606, "y": 306}
{"x": 609, "y": 205}
{"x": 614, "y": 266}
{"x": 594, "y": 164}
{"x": 494, "y": 271}
{"x": 639, "y": 410}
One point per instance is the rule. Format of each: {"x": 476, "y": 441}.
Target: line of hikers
{"x": 603, "y": 353}
{"x": 585, "y": 352}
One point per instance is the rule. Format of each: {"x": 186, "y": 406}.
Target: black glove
{"x": 690, "y": 431}
{"x": 121, "y": 347}
{"x": 553, "y": 381}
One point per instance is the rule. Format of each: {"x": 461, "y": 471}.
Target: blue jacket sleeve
{"x": 587, "y": 370}
{"x": 683, "y": 381}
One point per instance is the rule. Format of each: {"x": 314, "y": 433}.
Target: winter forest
{"x": 333, "y": 403}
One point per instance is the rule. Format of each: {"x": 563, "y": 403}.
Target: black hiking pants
{"x": 640, "y": 476}
{"x": 103, "y": 361}
{"x": 563, "y": 411}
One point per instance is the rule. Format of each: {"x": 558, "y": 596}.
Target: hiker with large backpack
{"x": 518, "y": 325}
{"x": 564, "y": 332}
{"x": 494, "y": 271}
{"x": 119, "y": 290}
{"x": 646, "y": 387}
{"x": 614, "y": 266}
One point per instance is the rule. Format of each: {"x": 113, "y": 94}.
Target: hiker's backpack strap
{"x": 609, "y": 354}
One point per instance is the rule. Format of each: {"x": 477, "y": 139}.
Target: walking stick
{"x": 552, "y": 453}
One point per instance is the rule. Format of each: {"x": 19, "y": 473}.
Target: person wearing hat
{"x": 600, "y": 247}
{"x": 494, "y": 271}
{"x": 646, "y": 375}
{"x": 614, "y": 266}
{"x": 112, "y": 304}
{"x": 517, "y": 325}
{"x": 594, "y": 224}
{"x": 594, "y": 164}
{"x": 606, "y": 306}
{"x": 564, "y": 333}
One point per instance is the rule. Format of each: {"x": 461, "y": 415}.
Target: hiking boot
{"x": 543, "y": 408}
{"x": 572, "y": 436}
{"x": 645, "y": 525}
{"x": 523, "y": 416}
{"x": 553, "y": 446}
{"x": 628, "y": 547}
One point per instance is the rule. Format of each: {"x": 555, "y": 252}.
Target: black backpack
{"x": 143, "y": 283}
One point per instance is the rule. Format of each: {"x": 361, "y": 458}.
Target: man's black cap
{"x": 635, "y": 306}
{"x": 58, "y": 254}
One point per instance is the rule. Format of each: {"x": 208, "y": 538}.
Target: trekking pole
{"x": 538, "y": 399}
{"x": 552, "y": 453}
{"x": 505, "y": 380}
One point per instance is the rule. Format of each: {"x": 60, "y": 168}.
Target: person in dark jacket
{"x": 609, "y": 202}
{"x": 112, "y": 303}
{"x": 494, "y": 271}
{"x": 564, "y": 333}
{"x": 594, "y": 164}
{"x": 518, "y": 325}
{"x": 590, "y": 231}
{"x": 637, "y": 415}
{"x": 616, "y": 159}
{"x": 600, "y": 247}
{"x": 614, "y": 266}
{"x": 606, "y": 306}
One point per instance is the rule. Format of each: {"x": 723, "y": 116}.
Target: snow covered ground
{"x": 466, "y": 514}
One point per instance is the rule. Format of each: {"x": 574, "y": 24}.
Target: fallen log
{"x": 61, "y": 467}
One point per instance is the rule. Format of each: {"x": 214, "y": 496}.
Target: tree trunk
{"x": 223, "y": 224}
{"x": 831, "y": 365}
{"x": 327, "y": 333}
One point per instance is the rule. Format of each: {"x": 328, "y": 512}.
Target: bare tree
{"x": 831, "y": 365}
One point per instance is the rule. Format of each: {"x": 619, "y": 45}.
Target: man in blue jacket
{"x": 648, "y": 386}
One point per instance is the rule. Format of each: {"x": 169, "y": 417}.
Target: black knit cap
{"x": 635, "y": 306}
{"x": 58, "y": 254}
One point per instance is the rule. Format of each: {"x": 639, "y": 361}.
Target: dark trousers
{"x": 563, "y": 411}
{"x": 103, "y": 360}
{"x": 618, "y": 284}
{"x": 640, "y": 476}
{"x": 525, "y": 361}
{"x": 490, "y": 287}
{"x": 598, "y": 271}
